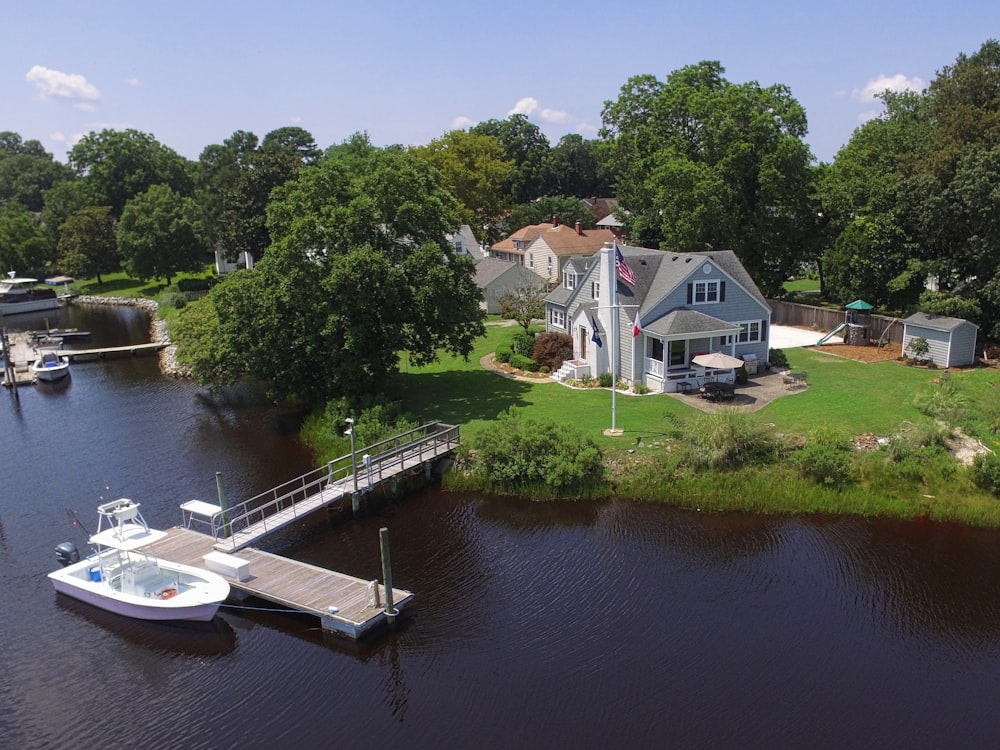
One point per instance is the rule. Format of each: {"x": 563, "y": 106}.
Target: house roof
{"x": 684, "y": 322}
{"x": 561, "y": 238}
{"x": 937, "y": 322}
{"x": 489, "y": 270}
{"x": 659, "y": 272}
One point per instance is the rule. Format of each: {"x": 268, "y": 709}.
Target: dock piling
{"x": 390, "y": 610}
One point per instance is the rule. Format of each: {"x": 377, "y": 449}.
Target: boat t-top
{"x": 125, "y": 577}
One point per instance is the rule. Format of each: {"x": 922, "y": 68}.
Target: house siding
{"x": 946, "y": 348}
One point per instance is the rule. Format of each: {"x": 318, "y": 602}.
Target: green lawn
{"x": 843, "y": 393}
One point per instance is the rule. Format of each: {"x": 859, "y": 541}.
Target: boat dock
{"x": 345, "y": 604}
{"x": 23, "y": 351}
{"x": 217, "y": 536}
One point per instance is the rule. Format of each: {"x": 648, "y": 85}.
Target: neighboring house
{"x": 465, "y": 243}
{"x": 223, "y": 266}
{"x": 681, "y": 305}
{"x": 545, "y": 248}
{"x": 600, "y": 207}
{"x": 612, "y": 224}
{"x": 495, "y": 276}
{"x": 951, "y": 342}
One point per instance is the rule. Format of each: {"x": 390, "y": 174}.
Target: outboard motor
{"x": 67, "y": 554}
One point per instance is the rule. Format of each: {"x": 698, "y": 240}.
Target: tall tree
{"x": 24, "y": 246}
{"x": 474, "y": 169}
{"x": 281, "y": 156}
{"x": 27, "y": 170}
{"x": 158, "y": 235}
{"x": 119, "y": 165}
{"x": 872, "y": 254}
{"x": 88, "y": 244}
{"x": 702, "y": 162}
{"x": 574, "y": 168}
{"x": 218, "y": 170}
{"x": 359, "y": 270}
{"x": 528, "y": 147}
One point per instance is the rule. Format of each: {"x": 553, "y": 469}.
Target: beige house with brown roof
{"x": 545, "y": 248}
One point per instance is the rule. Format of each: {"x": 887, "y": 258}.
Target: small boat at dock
{"x": 65, "y": 334}
{"x": 124, "y": 576}
{"x": 50, "y": 367}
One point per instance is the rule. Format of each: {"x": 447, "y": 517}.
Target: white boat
{"x": 20, "y": 295}
{"x": 124, "y": 577}
{"x": 50, "y": 366}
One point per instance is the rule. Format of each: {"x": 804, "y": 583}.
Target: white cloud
{"x": 55, "y": 83}
{"x": 295, "y": 119}
{"x": 525, "y": 106}
{"x": 554, "y": 115}
{"x": 132, "y": 81}
{"x": 586, "y": 129}
{"x": 461, "y": 123}
{"x": 899, "y": 82}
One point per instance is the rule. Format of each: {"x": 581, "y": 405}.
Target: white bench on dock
{"x": 227, "y": 565}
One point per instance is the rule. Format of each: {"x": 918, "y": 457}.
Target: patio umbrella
{"x": 858, "y": 304}
{"x": 717, "y": 361}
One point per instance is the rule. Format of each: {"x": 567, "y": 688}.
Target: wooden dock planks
{"x": 297, "y": 585}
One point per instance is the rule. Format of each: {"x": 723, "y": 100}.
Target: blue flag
{"x": 596, "y": 338}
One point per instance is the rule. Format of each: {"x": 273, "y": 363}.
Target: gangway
{"x": 240, "y": 525}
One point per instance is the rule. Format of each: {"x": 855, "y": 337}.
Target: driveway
{"x": 789, "y": 337}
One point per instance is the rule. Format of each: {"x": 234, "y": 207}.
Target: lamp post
{"x": 354, "y": 458}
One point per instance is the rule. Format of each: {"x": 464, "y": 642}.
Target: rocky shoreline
{"x": 158, "y": 332}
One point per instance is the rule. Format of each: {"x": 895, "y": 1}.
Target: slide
{"x": 831, "y": 334}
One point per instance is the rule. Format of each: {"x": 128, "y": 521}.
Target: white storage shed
{"x": 951, "y": 342}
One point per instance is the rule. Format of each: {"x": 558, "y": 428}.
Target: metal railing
{"x": 387, "y": 457}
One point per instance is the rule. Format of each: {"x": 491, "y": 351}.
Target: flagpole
{"x": 614, "y": 355}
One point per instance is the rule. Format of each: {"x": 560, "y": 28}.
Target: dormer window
{"x": 569, "y": 280}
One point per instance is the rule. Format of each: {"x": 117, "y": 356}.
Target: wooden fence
{"x": 824, "y": 319}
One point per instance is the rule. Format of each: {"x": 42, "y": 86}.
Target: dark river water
{"x": 562, "y": 625}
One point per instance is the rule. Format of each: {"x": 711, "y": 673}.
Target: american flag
{"x": 623, "y": 268}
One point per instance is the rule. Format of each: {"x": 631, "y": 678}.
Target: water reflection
{"x": 200, "y": 639}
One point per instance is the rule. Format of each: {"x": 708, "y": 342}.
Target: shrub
{"x": 641, "y": 388}
{"x": 515, "y": 452}
{"x": 945, "y": 401}
{"x": 552, "y": 349}
{"x": 503, "y": 355}
{"x": 523, "y": 363}
{"x": 777, "y": 358}
{"x": 916, "y": 437}
{"x": 985, "y": 472}
{"x": 919, "y": 346}
{"x": 605, "y": 379}
{"x": 176, "y": 300}
{"x": 729, "y": 439}
{"x": 523, "y": 343}
{"x": 826, "y": 458}
{"x": 194, "y": 285}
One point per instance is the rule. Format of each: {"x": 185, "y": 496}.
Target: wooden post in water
{"x": 222, "y": 504}
{"x": 390, "y": 610}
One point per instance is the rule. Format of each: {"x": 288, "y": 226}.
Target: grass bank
{"x": 843, "y": 395}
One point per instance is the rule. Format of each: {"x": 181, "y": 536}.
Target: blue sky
{"x": 192, "y": 73}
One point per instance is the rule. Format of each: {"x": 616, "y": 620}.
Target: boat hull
{"x": 54, "y": 373}
{"x": 196, "y": 594}
{"x": 33, "y": 305}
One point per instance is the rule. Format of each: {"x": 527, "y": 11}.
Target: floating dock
{"x": 344, "y": 604}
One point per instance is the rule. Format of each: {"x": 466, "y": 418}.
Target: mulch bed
{"x": 861, "y": 353}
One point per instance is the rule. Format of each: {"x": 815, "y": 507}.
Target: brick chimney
{"x": 555, "y": 220}
{"x": 579, "y": 227}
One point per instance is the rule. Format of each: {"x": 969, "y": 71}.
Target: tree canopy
{"x": 158, "y": 235}
{"x": 359, "y": 270}
{"x": 702, "y": 162}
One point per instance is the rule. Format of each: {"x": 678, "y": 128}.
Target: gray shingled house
{"x": 679, "y": 306}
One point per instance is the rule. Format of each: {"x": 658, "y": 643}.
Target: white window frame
{"x": 569, "y": 279}
{"x": 595, "y": 289}
{"x": 709, "y": 292}
{"x": 531, "y": 260}
{"x": 557, "y": 318}
{"x": 750, "y": 331}
{"x": 549, "y": 259}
